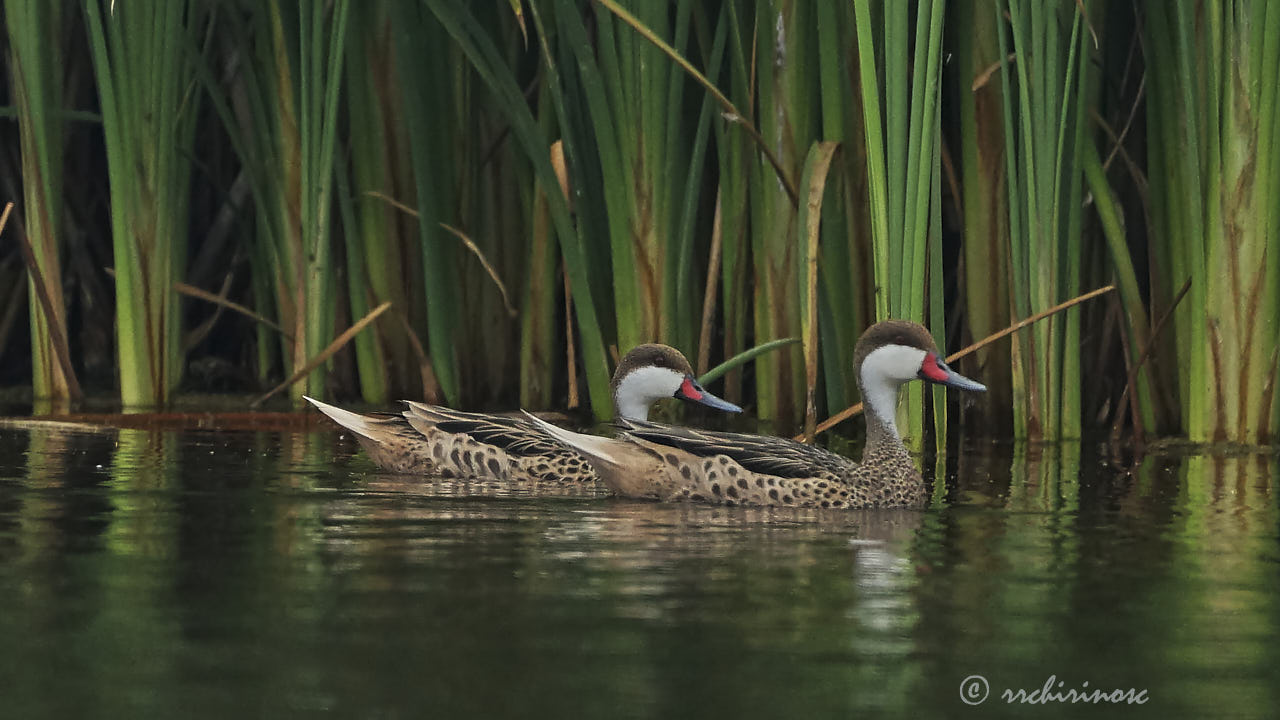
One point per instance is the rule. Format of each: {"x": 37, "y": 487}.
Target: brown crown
{"x": 651, "y": 354}
{"x": 892, "y": 332}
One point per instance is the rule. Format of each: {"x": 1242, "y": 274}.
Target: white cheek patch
{"x": 644, "y": 386}
{"x": 898, "y": 362}
{"x": 883, "y": 371}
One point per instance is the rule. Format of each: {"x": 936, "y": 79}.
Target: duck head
{"x": 651, "y": 372}
{"x": 892, "y": 353}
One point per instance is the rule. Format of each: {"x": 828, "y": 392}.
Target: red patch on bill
{"x": 689, "y": 390}
{"x": 931, "y": 370}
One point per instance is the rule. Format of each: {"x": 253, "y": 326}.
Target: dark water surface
{"x": 218, "y": 574}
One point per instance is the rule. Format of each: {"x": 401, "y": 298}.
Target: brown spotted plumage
{"x": 670, "y": 463}
{"x": 431, "y": 440}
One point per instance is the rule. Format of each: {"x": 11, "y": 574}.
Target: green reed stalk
{"x": 902, "y": 129}
{"x": 371, "y": 360}
{"x": 430, "y": 116}
{"x": 1045, "y": 97}
{"x": 321, "y": 40}
{"x": 496, "y": 204}
{"x": 37, "y": 69}
{"x": 936, "y": 305}
{"x": 1126, "y": 277}
{"x": 375, "y": 253}
{"x": 1213, "y": 130}
{"x": 145, "y": 70}
{"x": 508, "y": 99}
{"x": 538, "y": 319}
{"x": 636, "y": 156}
{"x": 688, "y": 161}
{"x": 282, "y": 115}
{"x": 260, "y": 119}
{"x": 734, "y": 157}
{"x": 787, "y": 94}
{"x": 846, "y": 275}
{"x": 985, "y": 202}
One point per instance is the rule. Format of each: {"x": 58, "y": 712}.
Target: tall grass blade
{"x": 743, "y": 358}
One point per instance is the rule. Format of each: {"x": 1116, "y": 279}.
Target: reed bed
{"x": 143, "y": 58}
{"x": 535, "y": 186}
{"x": 1046, "y": 93}
{"x": 1213, "y": 130}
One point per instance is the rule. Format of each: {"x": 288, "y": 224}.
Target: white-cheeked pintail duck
{"x": 431, "y": 440}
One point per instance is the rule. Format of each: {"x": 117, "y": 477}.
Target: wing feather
{"x": 758, "y": 453}
{"x": 517, "y": 436}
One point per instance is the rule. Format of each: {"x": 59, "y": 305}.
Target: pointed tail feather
{"x": 356, "y": 423}
{"x": 428, "y": 413}
{"x": 592, "y": 447}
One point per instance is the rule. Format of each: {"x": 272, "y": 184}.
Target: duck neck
{"x": 630, "y": 407}
{"x": 880, "y": 400}
{"x": 629, "y": 404}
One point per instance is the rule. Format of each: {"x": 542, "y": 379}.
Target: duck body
{"x": 431, "y": 440}
{"x": 662, "y": 462}
{"x": 742, "y": 469}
